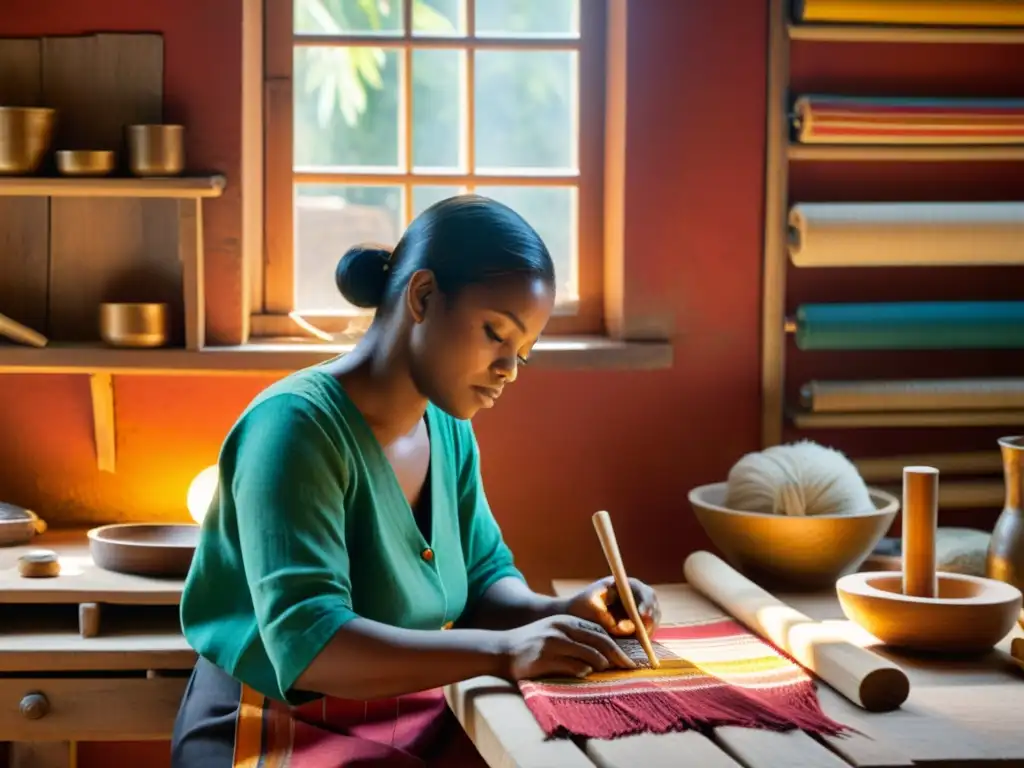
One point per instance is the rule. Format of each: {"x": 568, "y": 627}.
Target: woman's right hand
{"x": 560, "y": 646}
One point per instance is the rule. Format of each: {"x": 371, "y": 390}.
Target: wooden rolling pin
{"x": 863, "y": 677}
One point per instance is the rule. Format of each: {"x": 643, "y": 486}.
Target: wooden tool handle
{"x": 606, "y": 534}
{"x": 863, "y": 677}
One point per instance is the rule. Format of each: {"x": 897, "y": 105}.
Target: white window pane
{"x": 348, "y": 17}
{"x": 528, "y": 18}
{"x": 439, "y": 18}
{"x": 552, "y": 211}
{"x": 437, "y": 110}
{"x": 426, "y": 195}
{"x": 526, "y": 110}
{"x": 346, "y": 106}
{"x": 329, "y": 219}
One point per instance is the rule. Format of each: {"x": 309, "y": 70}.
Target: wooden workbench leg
{"x": 88, "y": 619}
{"x": 42, "y": 754}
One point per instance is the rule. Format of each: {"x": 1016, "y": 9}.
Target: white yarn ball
{"x": 802, "y": 478}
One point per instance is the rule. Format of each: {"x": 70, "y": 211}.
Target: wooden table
{"x": 965, "y": 714}
{"x": 58, "y": 687}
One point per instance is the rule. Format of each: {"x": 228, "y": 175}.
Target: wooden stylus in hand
{"x": 606, "y": 534}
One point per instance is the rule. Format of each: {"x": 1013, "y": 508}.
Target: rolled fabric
{"x": 980, "y": 13}
{"x": 913, "y": 395}
{"x": 911, "y": 325}
{"x": 854, "y": 120}
{"x": 904, "y": 234}
{"x": 863, "y": 677}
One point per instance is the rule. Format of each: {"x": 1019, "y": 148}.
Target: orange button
{"x": 427, "y": 554}
{"x": 448, "y": 625}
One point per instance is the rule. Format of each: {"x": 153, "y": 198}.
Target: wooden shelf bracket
{"x": 103, "y": 422}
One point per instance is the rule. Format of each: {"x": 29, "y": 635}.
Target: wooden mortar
{"x": 918, "y": 608}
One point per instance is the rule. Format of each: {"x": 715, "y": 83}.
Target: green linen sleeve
{"x": 488, "y": 558}
{"x": 288, "y": 487}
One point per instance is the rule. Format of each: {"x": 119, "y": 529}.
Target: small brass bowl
{"x": 134, "y": 325}
{"x": 156, "y": 150}
{"x": 84, "y": 162}
{"x": 25, "y": 135}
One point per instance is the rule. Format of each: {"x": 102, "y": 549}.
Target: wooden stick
{"x": 606, "y": 534}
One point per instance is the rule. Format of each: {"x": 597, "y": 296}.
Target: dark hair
{"x": 463, "y": 240}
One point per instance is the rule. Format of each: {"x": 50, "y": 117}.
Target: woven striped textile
{"x": 712, "y": 673}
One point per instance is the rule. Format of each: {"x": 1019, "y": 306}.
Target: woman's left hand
{"x": 600, "y": 603}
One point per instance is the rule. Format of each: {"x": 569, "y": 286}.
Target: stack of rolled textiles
{"x": 966, "y": 13}
{"x": 822, "y": 119}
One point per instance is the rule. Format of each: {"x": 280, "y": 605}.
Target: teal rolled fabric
{"x": 911, "y": 325}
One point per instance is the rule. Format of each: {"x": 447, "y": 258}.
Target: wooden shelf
{"x": 995, "y": 418}
{"x": 989, "y": 494}
{"x": 272, "y": 357}
{"x": 66, "y": 186}
{"x": 866, "y": 33}
{"x": 904, "y": 154}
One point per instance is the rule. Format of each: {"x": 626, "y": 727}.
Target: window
{"x": 377, "y": 108}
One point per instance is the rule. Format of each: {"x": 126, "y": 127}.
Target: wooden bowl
{"x": 795, "y": 553}
{"x": 134, "y": 324}
{"x": 85, "y": 162}
{"x": 25, "y": 135}
{"x": 970, "y": 615}
{"x": 144, "y": 549}
{"x": 18, "y": 525}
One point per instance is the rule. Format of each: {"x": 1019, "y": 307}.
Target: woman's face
{"x": 466, "y": 349}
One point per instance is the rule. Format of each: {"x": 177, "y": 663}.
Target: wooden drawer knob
{"x": 34, "y": 706}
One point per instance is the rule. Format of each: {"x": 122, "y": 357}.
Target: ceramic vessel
{"x": 1005, "y": 560}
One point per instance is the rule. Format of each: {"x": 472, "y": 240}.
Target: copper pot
{"x": 25, "y": 135}
{"x": 156, "y": 150}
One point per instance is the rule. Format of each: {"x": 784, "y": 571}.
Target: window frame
{"x": 272, "y": 280}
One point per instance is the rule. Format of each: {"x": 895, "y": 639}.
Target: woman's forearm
{"x": 369, "y": 660}
{"x": 509, "y": 603}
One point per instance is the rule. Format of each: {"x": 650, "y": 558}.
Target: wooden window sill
{"x": 272, "y": 357}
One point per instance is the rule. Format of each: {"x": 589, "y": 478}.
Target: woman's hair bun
{"x": 362, "y": 275}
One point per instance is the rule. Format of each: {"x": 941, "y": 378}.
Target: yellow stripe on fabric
{"x": 249, "y": 729}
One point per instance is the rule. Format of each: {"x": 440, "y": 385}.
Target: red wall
{"x": 563, "y": 444}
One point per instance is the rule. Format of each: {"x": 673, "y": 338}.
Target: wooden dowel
{"x": 920, "y": 519}
{"x": 606, "y": 534}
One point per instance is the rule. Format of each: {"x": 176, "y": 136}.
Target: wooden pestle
{"x": 920, "y": 520}
{"x": 606, "y": 534}
{"x": 863, "y": 677}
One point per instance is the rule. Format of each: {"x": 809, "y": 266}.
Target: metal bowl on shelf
{"x": 134, "y": 325}
{"x": 85, "y": 162}
{"x": 25, "y": 135}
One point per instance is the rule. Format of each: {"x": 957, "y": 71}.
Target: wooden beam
{"x": 102, "y": 387}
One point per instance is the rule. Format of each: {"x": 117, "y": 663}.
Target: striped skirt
{"x": 225, "y": 724}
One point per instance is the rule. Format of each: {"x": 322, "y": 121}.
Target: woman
{"x": 351, "y": 525}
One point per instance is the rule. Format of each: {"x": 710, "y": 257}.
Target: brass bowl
{"x": 156, "y": 150}
{"x": 134, "y": 325}
{"x": 25, "y": 135}
{"x": 970, "y": 615}
{"x": 84, "y": 162}
{"x": 796, "y": 553}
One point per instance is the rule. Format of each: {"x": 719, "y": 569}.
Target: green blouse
{"x": 310, "y": 529}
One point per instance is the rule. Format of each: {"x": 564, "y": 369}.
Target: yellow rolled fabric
{"x": 913, "y": 395}
{"x": 906, "y": 234}
{"x": 981, "y": 13}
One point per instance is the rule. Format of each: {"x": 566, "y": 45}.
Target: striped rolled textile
{"x": 827, "y": 119}
{"x": 968, "y": 13}
{"x": 712, "y": 673}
